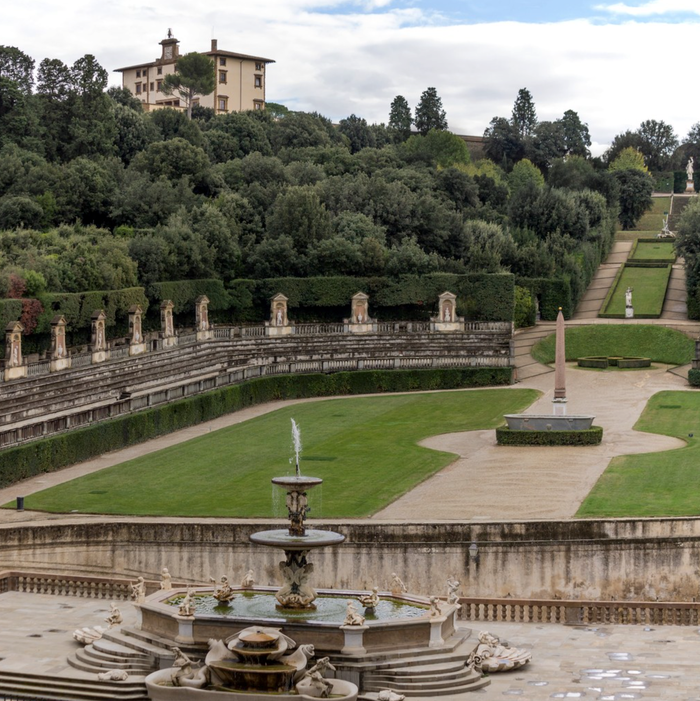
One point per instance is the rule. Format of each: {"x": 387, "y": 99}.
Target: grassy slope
{"x": 649, "y": 289}
{"x": 656, "y": 342}
{"x": 658, "y": 250}
{"x": 364, "y": 448}
{"x": 655, "y": 484}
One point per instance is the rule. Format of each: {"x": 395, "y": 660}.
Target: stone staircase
{"x": 675, "y": 303}
{"x": 523, "y": 341}
{"x": 678, "y": 204}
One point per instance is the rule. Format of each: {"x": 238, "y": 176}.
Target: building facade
{"x": 240, "y": 79}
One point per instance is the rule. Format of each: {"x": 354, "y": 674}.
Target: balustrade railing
{"x": 40, "y": 368}
{"x": 317, "y": 329}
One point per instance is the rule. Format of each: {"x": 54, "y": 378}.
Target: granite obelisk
{"x": 559, "y": 401}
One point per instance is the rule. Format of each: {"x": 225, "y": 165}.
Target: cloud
{"x": 653, "y": 8}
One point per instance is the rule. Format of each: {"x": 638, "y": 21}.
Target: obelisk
{"x": 559, "y": 401}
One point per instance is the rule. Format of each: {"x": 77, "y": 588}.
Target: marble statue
{"x": 389, "y": 695}
{"x": 296, "y": 592}
{"x": 223, "y": 591}
{"x": 115, "y": 616}
{"x": 297, "y": 508}
{"x": 689, "y": 168}
{"x": 248, "y": 580}
{"x": 138, "y": 591}
{"x": 299, "y": 659}
{"x": 452, "y": 587}
{"x": 186, "y": 608}
{"x": 370, "y": 601}
{"x": 490, "y": 655}
{"x": 397, "y": 586}
{"x": 280, "y": 318}
{"x": 352, "y": 617}
{"x": 113, "y": 675}
{"x": 87, "y": 636}
{"x": 166, "y": 583}
{"x": 628, "y": 297}
{"x": 435, "y": 607}
{"x": 183, "y": 670}
{"x": 312, "y": 683}
{"x": 447, "y": 315}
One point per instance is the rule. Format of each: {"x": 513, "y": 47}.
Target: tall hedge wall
{"x": 183, "y": 293}
{"x": 10, "y": 310}
{"x": 49, "y": 454}
{"x": 552, "y": 294}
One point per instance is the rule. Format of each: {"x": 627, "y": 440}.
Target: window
{"x": 259, "y": 67}
{"x": 222, "y": 61}
{"x": 222, "y": 76}
{"x": 223, "y": 103}
{"x": 138, "y": 74}
{"x": 152, "y": 86}
{"x": 138, "y": 88}
{"x": 258, "y": 81}
{"x": 160, "y": 70}
{"x": 257, "y": 105}
{"x": 195, "y": 102}
{"x": 160, "y": 85}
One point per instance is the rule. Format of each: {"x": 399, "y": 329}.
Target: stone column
{"x": 201, "y": 315}
{"x": 279, "y": 323}
{"x": 98, "y": 339}
{"x": 60, "y": 360}
{"x": 136, "y": 342}
{"x": 15, "y": 367}
{"x": 167, "y": 327}
{"x": 559, "y": 402}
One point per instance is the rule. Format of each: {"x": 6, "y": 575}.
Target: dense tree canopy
{"x": 429, "y": 112}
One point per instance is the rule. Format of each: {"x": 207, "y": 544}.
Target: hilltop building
{"x": 240, "y": 79}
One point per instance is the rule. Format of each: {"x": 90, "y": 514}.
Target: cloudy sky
{"x": 616, "y": 64}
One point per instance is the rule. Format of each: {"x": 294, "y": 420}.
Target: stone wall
{"x": 626, "y": 559}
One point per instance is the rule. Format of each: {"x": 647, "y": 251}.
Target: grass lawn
{"x": 632, "y": 235}
{"x": 653, "y": 219}
{"x": 658, "y": 250}
{"x": 649, "y": 289}
{"x": 655, "y": 484}
{"x": 364, "y": 448}
{"x": 660, "y": 344}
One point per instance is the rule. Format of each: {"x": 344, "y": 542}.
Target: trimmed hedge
{"x": 552, "y": 294}
{"x": 49, "y": 454}
{"x": 591, "y": 436}
{"x": 694, "y": 377}
{"x": 602, "y": 362}
{"x": 183, "y": 293}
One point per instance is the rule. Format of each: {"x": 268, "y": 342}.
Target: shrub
{"x": 591, "y": 436}
{"x": 525, "y": 312}
{"x": 694, "y": 377}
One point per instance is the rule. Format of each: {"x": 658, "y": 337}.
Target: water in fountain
{"x": 296, "y": 442}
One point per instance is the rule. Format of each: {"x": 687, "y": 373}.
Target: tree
{"x": 436, "y": 147}
{"x": 523, "y": 174}
{"x": 629, "y": 159}
{"x": 635, "y": 195}
{"x": 688, "y": 246}
{"x": 504, "y": 146}
{"x": 358, "y": 133}
{"x": 577, "y": 138}
{"x": 429, "y": 112}
{"x": 622, "y": 141}
{"x": 524, "y": 117}
{"x": 16, "y": 66}
{"x": 547, "y": 144}
{"x": 658, "y": 142}
{"x": 299, "y": 213}
{"x": 400, "y": 119}
{"x": 194, "y": 76}
{"x": 123, "y": 96}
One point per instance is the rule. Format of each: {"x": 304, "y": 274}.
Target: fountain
{"x": 250, "y": 649}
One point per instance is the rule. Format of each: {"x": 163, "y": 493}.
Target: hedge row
{"x": 590, "y": 436}
{"x": 183, "y": 294}
{"x": 49, "y": 454}
{"x": 552, "y": 293}
{"x": 694, "y": 378}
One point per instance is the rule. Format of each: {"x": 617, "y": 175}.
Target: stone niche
{"x": 137, "y": 344}
{"x": 201, "y": 317}
{"x": 279, "y": 324}
{"x": 60, "y": 360}
{"x": 15, "y": 367}
{"x": 360, "y": 321}
{"x": 98, "y": 340}
{"x": 447, "y": 319}
{"x": 167, "y": 326}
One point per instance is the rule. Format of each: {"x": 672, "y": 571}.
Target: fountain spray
{"x": 296, "y": 440}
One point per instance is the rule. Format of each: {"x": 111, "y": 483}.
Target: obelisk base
{"x": 559, "y": 407}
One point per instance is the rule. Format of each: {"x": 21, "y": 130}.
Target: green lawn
{"x": 364, "y": 448}
{"x": 649, "y": 289}
{"x": 657, "y": 250}
{"x": 655, "y": 484}
{"x": 653, "y": 219}
{"x": 660, "y": 344}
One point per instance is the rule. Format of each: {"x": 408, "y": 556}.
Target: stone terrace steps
{"x": 678, "y": 204}
{"x": 676, "y": 300}
{"x": 54, "y": 688}
{"x": 525, "y": 365}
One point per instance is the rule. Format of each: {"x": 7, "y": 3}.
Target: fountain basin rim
{"x": 292, "y": 481}
{"x": 280, "y": 538}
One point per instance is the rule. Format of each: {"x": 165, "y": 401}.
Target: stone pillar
{"x": 167, "y": 327}
{"x": 98, "y": 340}
{"x": 60, "y": 360}
{"x": 279, "y": 323}
{"x": 353, "y": 643}
{"x": 559, "y": 401}
{"x": 15, "y": 367}
{"x": 136, "y": 342}
{"x": 201, "y": 315}
{"x": 360, "y": 321}
{"x": 447, "y": 319}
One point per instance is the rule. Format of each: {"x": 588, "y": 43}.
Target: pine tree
{"x": 194, "y": 75}
{"x": 400, "y": 119}
{"x": 524, "y": 116}
{"x": 429, "y": 113}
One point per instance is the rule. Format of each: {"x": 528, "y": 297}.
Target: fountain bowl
{"x": 297, "y": 482}
{"x": 280, "y": 538}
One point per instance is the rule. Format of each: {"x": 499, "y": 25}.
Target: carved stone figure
{"x": 389, "y": 695}
{"x": 135, "y": 314}
{"x": 352, "y": 617}
{"x": 628, "y": 297}
{"x": 397, "y": 586}
{"x": 115, "y": 615}
{"x": 370, "y": 601}
{"x": 296, "y": 592}
{"x": 186, "y": 608}
{"x": 452, "y": 587}
{"x": 491, "y": 656}
{"x": 447, "y": 314}
{"x": 113, "y": 675}
{"x": 165, "y": 580}
{"x": 435, "y": 607}
{"x": 248, "y": 580}
{"x": 183, "y": 668}
{"x": 138, "y": 591}
{"x": 223, "y": 591}
{"x": 689, "y": 168}
{"x": 297, "y": 508}
{"x": 312, "y": 682}
{"x": 86, "y": 636}
{"x": 299, "y": 659}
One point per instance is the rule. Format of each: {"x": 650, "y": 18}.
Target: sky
{"x": 614, "y": 63}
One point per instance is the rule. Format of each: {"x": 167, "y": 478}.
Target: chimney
{"x": 214, "y": 43}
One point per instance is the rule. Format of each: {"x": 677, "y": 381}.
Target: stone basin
{"x": 270, "y": 678}
{"x": 548, "y": 422}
